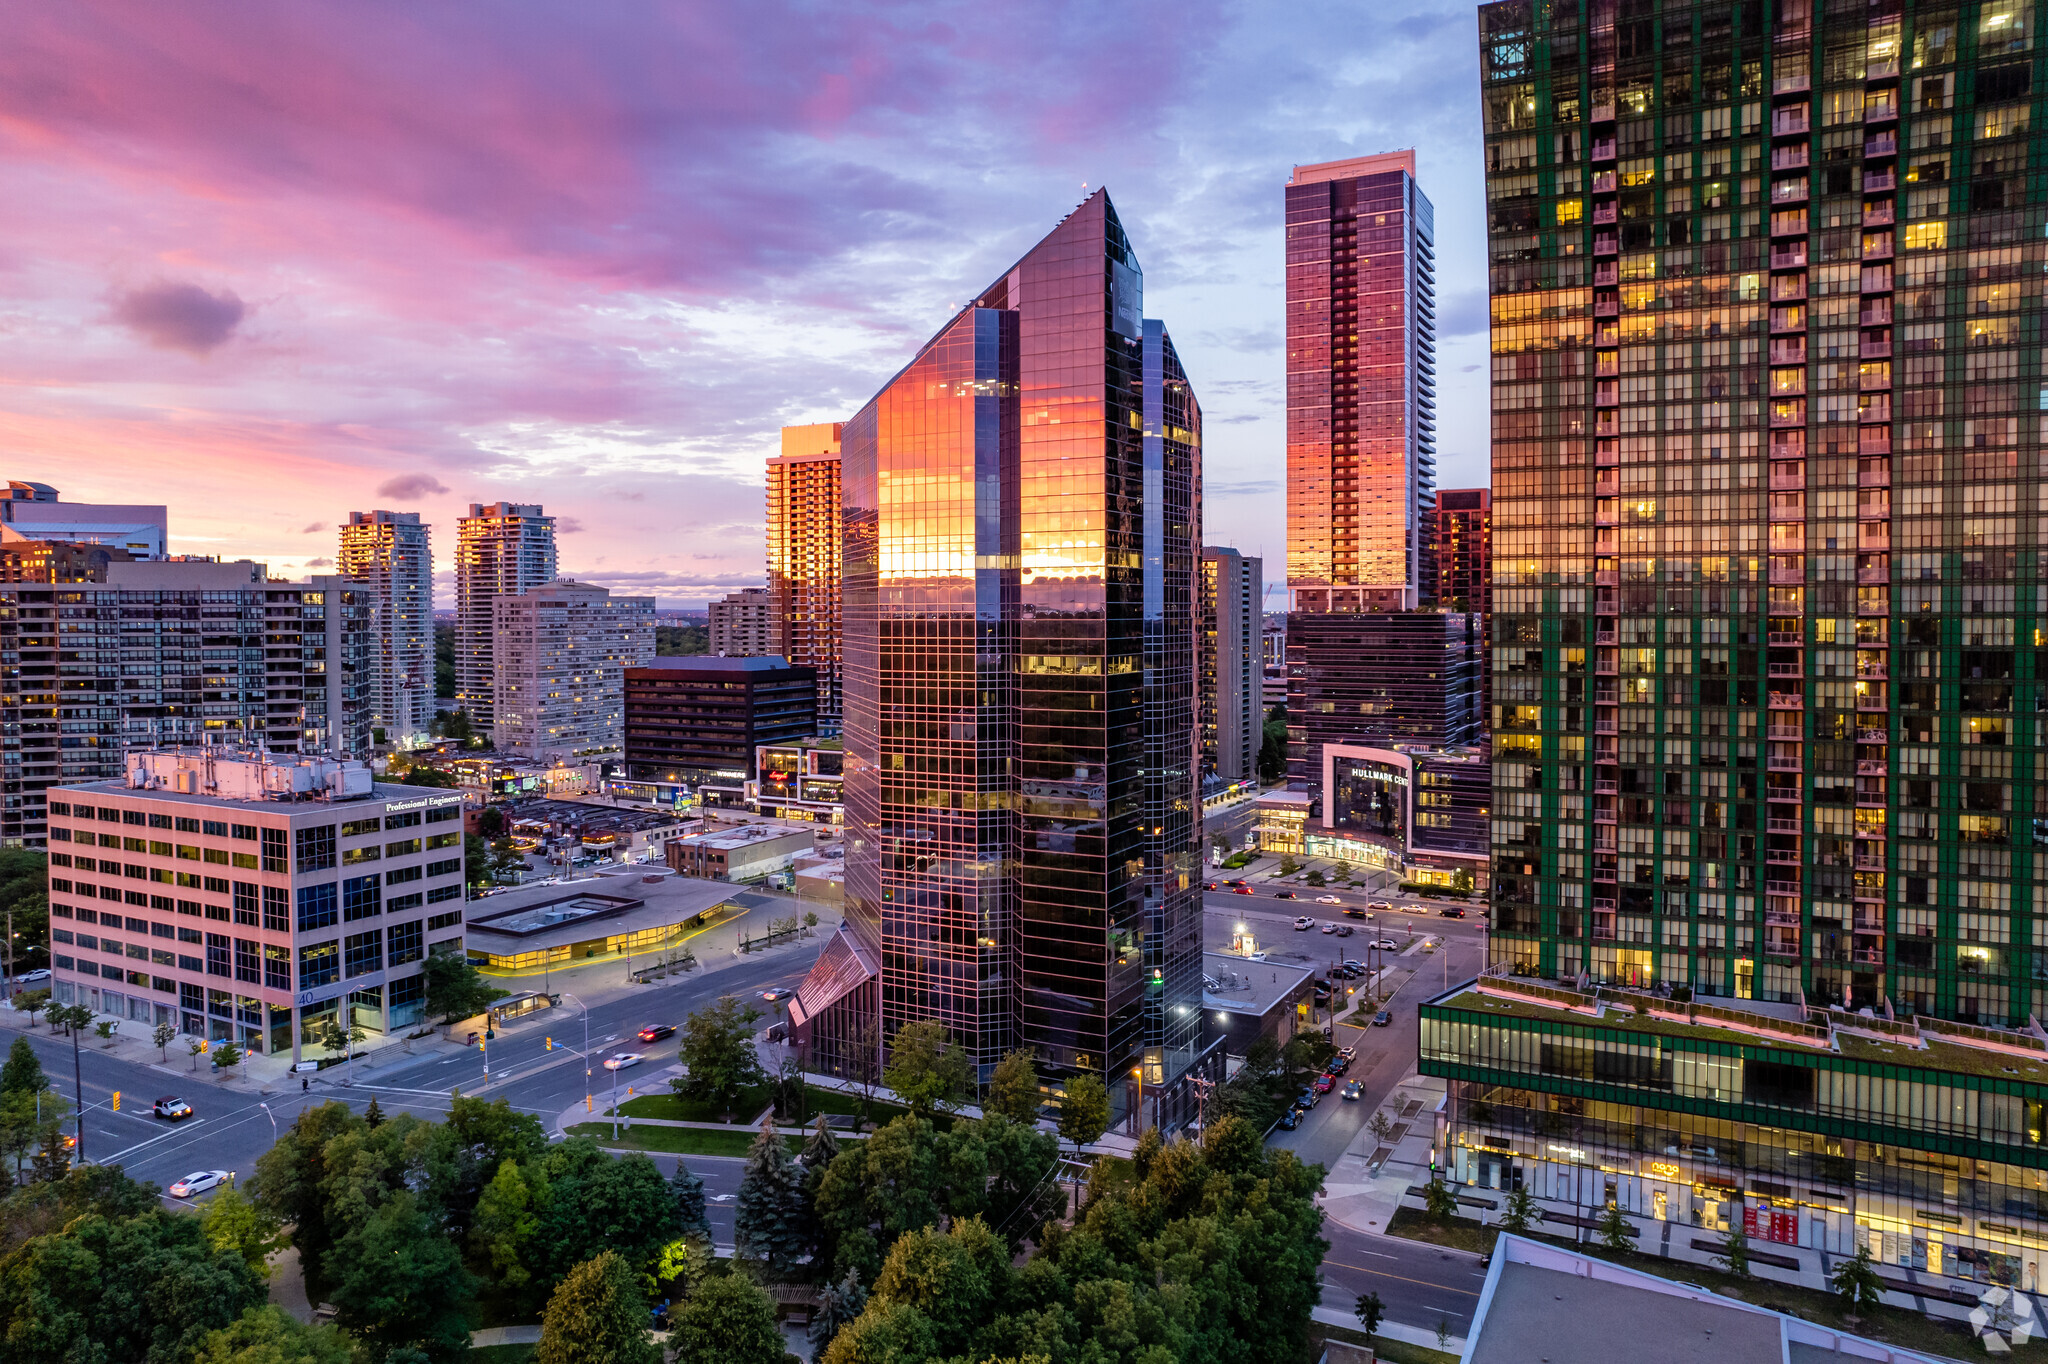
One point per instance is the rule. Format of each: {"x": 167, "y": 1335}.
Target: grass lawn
{"x": 1397, "y": 1351}
{"x": 1892, "y": 1325}
{"x": 681, "y": 1109}
{"x": 680, "y": 1141}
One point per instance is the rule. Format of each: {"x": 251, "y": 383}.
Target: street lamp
{"x": 586, "y": 1050}
{"x": 273, "y": 1121}
{"x": 1138, "y": 1125}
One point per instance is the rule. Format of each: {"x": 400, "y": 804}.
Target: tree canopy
{"x": 926, "y": 1069}
{"x": 597, "y": 1316}
{"x": 718, "y": 1049}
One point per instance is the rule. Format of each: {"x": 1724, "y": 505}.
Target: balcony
{"x": 1606, "y": 275}
{"x": 1872, "y": 736}
{"x": 1606, "y": 243}
{"x": 1785, "y": 764}
{"x": 1877, "y": 215}
{"x": 1784, "y": 856}
{"x": 1878, "y": 182}
{"x": 1779, "y": 917}
{"x": 1606, "y": 306}
{"x": 1780, "y": 700}
{"x": 1881, "y": 111}
{"x": 1786, "y": 639}
{"x": 1604, "y": 213}
{"x": 1875, "y": 440}
{"x": 1789, "y": 158}
{"x": 1786, "y": 670}
{"x": 1868, "y": 956}
{"x": 1602, "y": 148}
{"x": 1880, "y": 144}
{"x": 1603, "y": 182}
{"x": 1783, "y": 794}
{"x": 1785, "y": 826}
{"x": 1606, "y": 788}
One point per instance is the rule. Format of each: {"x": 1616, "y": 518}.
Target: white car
{"x": 198, "y": 1182}
{"x": 1328, "y": 900}
{"x": 1380, "y": 905}
{"x": 1303, "y": 924}
{"x": 625, "y": 1060}
{"x": 31, "y": 977}
{"x": 1387, "y": 945}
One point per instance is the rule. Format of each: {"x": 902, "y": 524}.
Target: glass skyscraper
{"x": 1767, "y": 397}
{"x": 803, "y": 557}
{"x": 1022, "y": 506}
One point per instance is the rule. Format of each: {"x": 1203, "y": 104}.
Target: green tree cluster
{"x": 1211, "y": 1254}
{"x": 926, "y": 1070}
{"x": 24, "y": 891}
{"x": 455, "y": 989}
{"x": 91, "y": 1268}
{"x": 909, "y": 1175}
{"x": 1273, "y": 746}
{"x": 773, "y": 1222}
{"x": 31, "y": 1113}
{"x": 1272, "y": 1076}
{"x": 673, "y": 641}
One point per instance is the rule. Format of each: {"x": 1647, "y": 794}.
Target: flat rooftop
{"x": 584, "y": 818}
{"x": 1245, "y": 986}
{"x": 589, "y": 907}
{"x": 730, "y": 840}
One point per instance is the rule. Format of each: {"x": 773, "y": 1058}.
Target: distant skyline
{"x": 334, "y": 259}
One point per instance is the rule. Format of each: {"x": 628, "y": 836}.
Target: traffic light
{"x": 551, "y": 1043}
{"x": 204, "y": 1046}
{"x": 117, "y": 1101}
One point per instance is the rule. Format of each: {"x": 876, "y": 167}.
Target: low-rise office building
{"x": 1247, "y": 999}
{"x": 1920, "y": 1140}
{"x": 747, "y": 853}
{"x": 1414, "y": 809}
{"x": 250, "y": 898}
{"x": 559, "y": 925}
{"x": 696, "y": 720}
{"x": 799, "y": 780}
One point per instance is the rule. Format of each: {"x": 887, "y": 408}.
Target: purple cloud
{"x": 409, "y": 487}
{"x": 179, "y": 316}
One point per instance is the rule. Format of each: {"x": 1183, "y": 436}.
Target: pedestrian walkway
{"x": 1392, "y": 1330}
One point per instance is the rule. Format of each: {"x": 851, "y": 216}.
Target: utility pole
{"x": 72, "y": 1017}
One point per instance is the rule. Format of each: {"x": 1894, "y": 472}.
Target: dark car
{"x": 1208, "y": 885}
{"x": 654, "y": 1032}
{"x": 1382, "y": 1019}
{"x": 171, "y": 1108}
{"x": 1338, "y": 1065}
{"x": 1308, "y": 1098}
{"x": 1452, "y": 912}
{"x": 1345, "y": 930}
{"x": 1235, "y": 884}
{"x": 1285, "y": 895}
{"x": 1290, "y": 1120}
{"x": 1354, "y": 912}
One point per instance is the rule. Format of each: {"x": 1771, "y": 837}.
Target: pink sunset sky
{"x": 268, "y": 264}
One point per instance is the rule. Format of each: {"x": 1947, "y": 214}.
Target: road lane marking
{"x": 1420, "y": 1283}
{"x": 175, "y": 1131}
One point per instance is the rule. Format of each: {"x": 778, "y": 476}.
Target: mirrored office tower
{"x": 1021, "y": 507}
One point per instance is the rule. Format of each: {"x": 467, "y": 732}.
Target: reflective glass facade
{"x": 501, "y": 549}
{"x": 1361, "y": 385}
{"x": 1767, "y": 393}
{"x": 1020, "y": 554}
{"x": 803, "y": 557}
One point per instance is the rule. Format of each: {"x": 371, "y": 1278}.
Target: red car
{"x": 654, "y": 1032}
{"x": 1244, "y": 890}
{"x": 1325, "y": 1083}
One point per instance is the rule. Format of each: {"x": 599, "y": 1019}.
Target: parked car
{"x": 1324, "y": 1083}
{"x": 1387, "y": 945}
{"x": 1353, "y": 1090}
{"x": 1338, "y": 1064}
{"x": 625, "y": 1060}
{"x": 171, "y": 1108}
{"x": 654, "y": 1032}
{"x": 1349, "y": 1054}
{"x": 1303, "y": 923}
{"x": 1382, "y": 1019}
{"x": 198, "y": 1182}
{"x": 1329, "y": 928}
{"x": 1290, "y": 1120}
{"x": 32, "y": 977}
{"x": 1342, "y": 930}
{"x": 1308, "y": 1098}
{"x": 1354, "y": 965}
{"x": 1285, "y": 895}
{"x": 1328, "y": 900}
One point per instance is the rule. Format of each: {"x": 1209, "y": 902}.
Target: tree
{"x": 1856, "y": 1283}
{"x": 1084, "y": 1110}
{"x": 105, "y": 1029}
{"x": 226, "y": 1057}
{"x": 454, "y": 989}
{"x": 373, "y": 1113}
{"x": 718, "y": 1051}
{"x": 1315, "y": 877}
{"x": 400, "y": 1283}
{"x": 1381, "y": 1127}
{"x": 161, "y": 1035}
{"x": 1013, "y": 1088}
{"x": 1440, "y": 1204}
{"x": 1369, "y": 1310}
{"x": 270, "y": 1335}
{"x": 838, "y": 1304}
{"x": 234, "y": 1223}
{"x": 773, "y": 1221}
{"x": 1521, "y": 1212}
{"x": 1288, "y": 866}
{"x": 289, "y": 1185}
{"x": 1462, "y": 881}
{"x": 195, "y": 1049}
{"x": 820, "y": 1147}
{"x": 428, "y": 776}
{"x": 53, "y": 1158}
{"x": 17, "y": 1126}
{"x": 502, "y": 1231}
{"x": 23, "y": 1073}
{"x": 597, "y": 1316}
{"x": 728, "y": 1320}
{"x": 925, "y": 1069}
{"x": 1734, "y": 1256}
{"x": 490, "y": 822}
{"x": 687, "y": 1189}
{"x": 597, "y": 1203}
{"x": 32, "y": 1002}
{"x": 1614, "y": 1228}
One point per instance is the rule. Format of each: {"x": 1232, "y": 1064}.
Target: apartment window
{"x": 440, "y": 921}
{"x": 213, "y": 828}
{"x": 186, "y": 826}
{"x": 274, "y": 854}
{"x": 404, "y": 847}
{"x": 400, "y": 874}
{"x": 277, "y": 913}
{"x": 408, "y": 942}
{"x": 454, "y": 892}
{"x": 355, "y": 857}
{"x": 319, "y": 906}
{"x": 246, "y": 900}
{"x": 400, "y": 904}
{"x": 405, "y": 821}
{"x": 356, "y": 828}
{"x": 277, "y": 967}
{"x": 362, "y": 897}
{"x": 163, "y": 930}
{"x": 316, "y": 848}
{"x": 442, "y": 816}
{"x": 248, "y": 961}
{"x": 447, "y": 840}
{"x": 217, "y": 955}
{"x": 319, "y": 964}
{"x": 363, "y": 953}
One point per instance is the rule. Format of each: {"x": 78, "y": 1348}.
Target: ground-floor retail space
{"x": 1977, "y": 1220}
